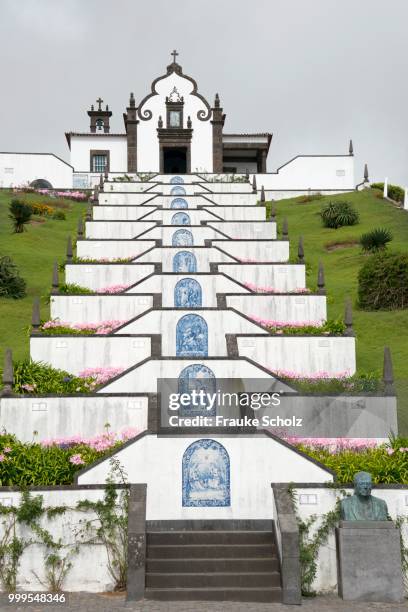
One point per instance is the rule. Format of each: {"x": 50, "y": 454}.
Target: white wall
{"x": 97, "y": 276}
{"x": 18, "y": 169}
{"x": 282, "y": 278}
{"x": 304, "y": 355}
{"x": 56, "y": 417}
{"x": 94, "y": 556}
{"x": 256, "y": 250}
{"x": 97, "y": 308}
{"x": 282, "y": 308}
{"x": 116, "y": 229}
{"x": 316, "y": 172}
{"x": 82, "y": 145}
{"x": 121, "y": 213}
{"x": 111, "y": 249}
{"x": 76, "y": 353}
{"x": 158, "y": 462}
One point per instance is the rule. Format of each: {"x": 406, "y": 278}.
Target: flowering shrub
{"x": 327, "y": 383}
{"x": 260, "y": 289}
{"x": 388, "y": 463}
{"x": 304, "y": 328}
{"x": 89, "y": 260}
{"x": 100, "y": 375}
{"x": 113, "y": 289}
{"x": 41, "y": 209}
{"x": 77, "y": 196}
{"x": 56, "y": 327}
{"x": 53, "y": 462}
{"x": 40, "y": 378}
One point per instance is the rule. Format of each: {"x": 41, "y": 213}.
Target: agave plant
{"x": 376, "y": 240}
{"x": 338, "y": 214}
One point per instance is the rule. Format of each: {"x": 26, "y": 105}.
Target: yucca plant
{"x": 20, "y": 214}
{"x": 376, "y": 240}
{"x": 338, "y": 214}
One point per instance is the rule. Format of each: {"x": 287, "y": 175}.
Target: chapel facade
{"x": 172, "y": 130}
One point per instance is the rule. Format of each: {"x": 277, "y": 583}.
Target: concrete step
{"x": 212, "y": 580}
{"x": 210, "y": 551}
{"x": 253, "y": 564}
{"x": 262, "y": 594}
{"x": 209, "y": 537}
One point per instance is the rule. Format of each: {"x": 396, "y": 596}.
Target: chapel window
{"x": 99, "y": 163}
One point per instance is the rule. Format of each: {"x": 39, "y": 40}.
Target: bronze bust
{"x": 362, "y": 506}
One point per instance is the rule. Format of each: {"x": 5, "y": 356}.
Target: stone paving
{"x": 85, "y": 602}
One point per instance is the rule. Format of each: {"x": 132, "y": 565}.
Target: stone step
{"x": 253, "y": 564}
{"x": 210, "y": 551}
{"x": 203, "y": 580}
{"x": 209, "y": 537}
{"x": 262, "y": 594}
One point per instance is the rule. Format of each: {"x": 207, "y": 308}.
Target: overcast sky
{"x": 313, "y": 72}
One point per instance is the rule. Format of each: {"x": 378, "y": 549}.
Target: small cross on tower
{"x": 174, "y": 54}
{"x": 99, "y": 101}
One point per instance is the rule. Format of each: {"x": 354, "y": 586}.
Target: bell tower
{"x": 100, "y": 118}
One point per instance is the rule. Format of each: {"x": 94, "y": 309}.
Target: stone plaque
{"x": 369, "y": 561}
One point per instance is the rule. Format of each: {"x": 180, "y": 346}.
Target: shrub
{"x": 383, "y": 282}
{"x": 387, "y": 463}
{"x": 20, "y": 214}
{"x": 41, "y": 209}
{"x": 36, "y": 377}
{"x": 59, "y": 215}
{"x": 310, "y": 197}
{"x": 338, "y": 214}
{"x": 395, "y": 192}
{"x": 74, "y": 289}
{"x": 11, "y": 283}
{"x": 376, "y": 240}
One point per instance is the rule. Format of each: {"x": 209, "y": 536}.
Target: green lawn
{"x": 374, "y": 330}
{"x": 34, "y": 252}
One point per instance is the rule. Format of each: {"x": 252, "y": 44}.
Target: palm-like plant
{"x": 20, "y": 214}
{"x": 376, "y": 240}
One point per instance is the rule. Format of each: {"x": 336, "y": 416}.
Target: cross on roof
{"x": 99, "y": 101}
{"x": 174, "y": 54}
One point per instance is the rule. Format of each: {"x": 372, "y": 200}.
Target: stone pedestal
{"x": 369, "y": 561}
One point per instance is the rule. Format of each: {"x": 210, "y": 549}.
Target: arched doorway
{"x": 41, "y": 184}
{"x": 175, "y": 160}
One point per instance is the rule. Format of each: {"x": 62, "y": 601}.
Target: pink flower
{"x": 2, "y": 457}
{"x": 29, "y": 388}
{"x": 76, "y": 459}
{"x": 113, "y": 289}
{"x": 390, "y": 451}
{"x": 6, "y": 449}
{"x": 101, "y": 375}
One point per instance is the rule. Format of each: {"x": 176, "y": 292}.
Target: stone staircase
{"x": 226, "y": 563}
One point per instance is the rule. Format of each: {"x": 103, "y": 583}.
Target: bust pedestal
{"x": 369, "y": 561}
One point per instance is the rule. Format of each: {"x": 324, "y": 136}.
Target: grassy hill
{"x": 342, "y": 259}
{"x": 35, "y": 250}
